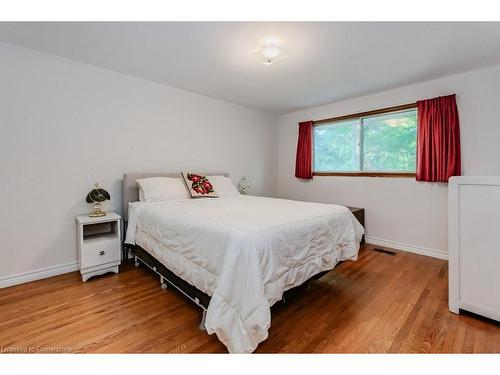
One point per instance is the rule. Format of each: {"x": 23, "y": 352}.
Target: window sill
{"x": 367, "y": 174}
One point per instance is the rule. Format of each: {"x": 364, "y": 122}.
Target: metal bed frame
{"x": 195, "y": 295}
{"x": 167, "y": 278}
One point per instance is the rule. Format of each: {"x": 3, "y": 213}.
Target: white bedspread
{"x": 244, "y": 252}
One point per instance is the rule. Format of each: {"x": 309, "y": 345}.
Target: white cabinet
{"x": 474, "y": 248}
{"x": 99, "y": 244}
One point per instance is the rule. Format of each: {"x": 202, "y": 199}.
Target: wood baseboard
{"x": 433, "y": 253}
{"x": 73, "y": 266}
{"x": 38, "y": 274}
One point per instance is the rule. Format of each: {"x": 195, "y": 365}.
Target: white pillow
{"x": 223, "y": 186}
{"x": 161, "y": 189}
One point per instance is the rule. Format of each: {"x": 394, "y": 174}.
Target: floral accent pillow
{"x": 199, "y": 186}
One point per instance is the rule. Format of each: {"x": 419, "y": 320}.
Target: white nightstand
{"x": 99, "y": 244}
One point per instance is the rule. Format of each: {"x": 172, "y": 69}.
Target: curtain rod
{"x": 368, "y": 113}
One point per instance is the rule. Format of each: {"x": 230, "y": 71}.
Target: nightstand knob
{"x": 102, "y": 252}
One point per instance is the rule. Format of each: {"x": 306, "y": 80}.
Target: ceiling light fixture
{"x": 270, "y": 52}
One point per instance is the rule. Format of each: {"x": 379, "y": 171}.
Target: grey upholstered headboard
{"x": 131, "y": 189}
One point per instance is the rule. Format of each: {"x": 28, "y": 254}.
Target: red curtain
{"x": 303, "y": 161}
{"x": 438, "y": 139}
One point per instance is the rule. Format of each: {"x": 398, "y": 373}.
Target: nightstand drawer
{"x": 102, "y": 252}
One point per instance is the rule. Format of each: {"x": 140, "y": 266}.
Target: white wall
{"x": 402, "y": 212}
{"x": 65, "y": 125}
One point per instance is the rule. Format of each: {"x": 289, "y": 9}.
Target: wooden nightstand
{"x": 359, "y": 213}
{"x": 99, "y": 244}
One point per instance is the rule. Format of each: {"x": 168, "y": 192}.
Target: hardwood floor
{"x": 379, "y": 304}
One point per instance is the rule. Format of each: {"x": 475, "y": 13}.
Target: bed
{"x": 236, "y": 256}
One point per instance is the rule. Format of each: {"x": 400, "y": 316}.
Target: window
{"x": 374, "y": 143}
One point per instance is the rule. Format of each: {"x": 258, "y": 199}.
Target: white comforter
{"x": 244, "y": 252}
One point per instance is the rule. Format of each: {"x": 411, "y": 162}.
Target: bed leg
{"x": 203, "y": 318}
{"x": 136, "y": 264}
{"x": 164, "y": 285}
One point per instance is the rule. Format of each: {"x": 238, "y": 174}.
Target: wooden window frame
{"x": 358, "y": 115}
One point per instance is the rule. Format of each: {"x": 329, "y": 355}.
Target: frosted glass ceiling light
{"x": 270, "y": 52}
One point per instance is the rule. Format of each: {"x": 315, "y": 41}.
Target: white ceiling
{"x": 326, "y": 62}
